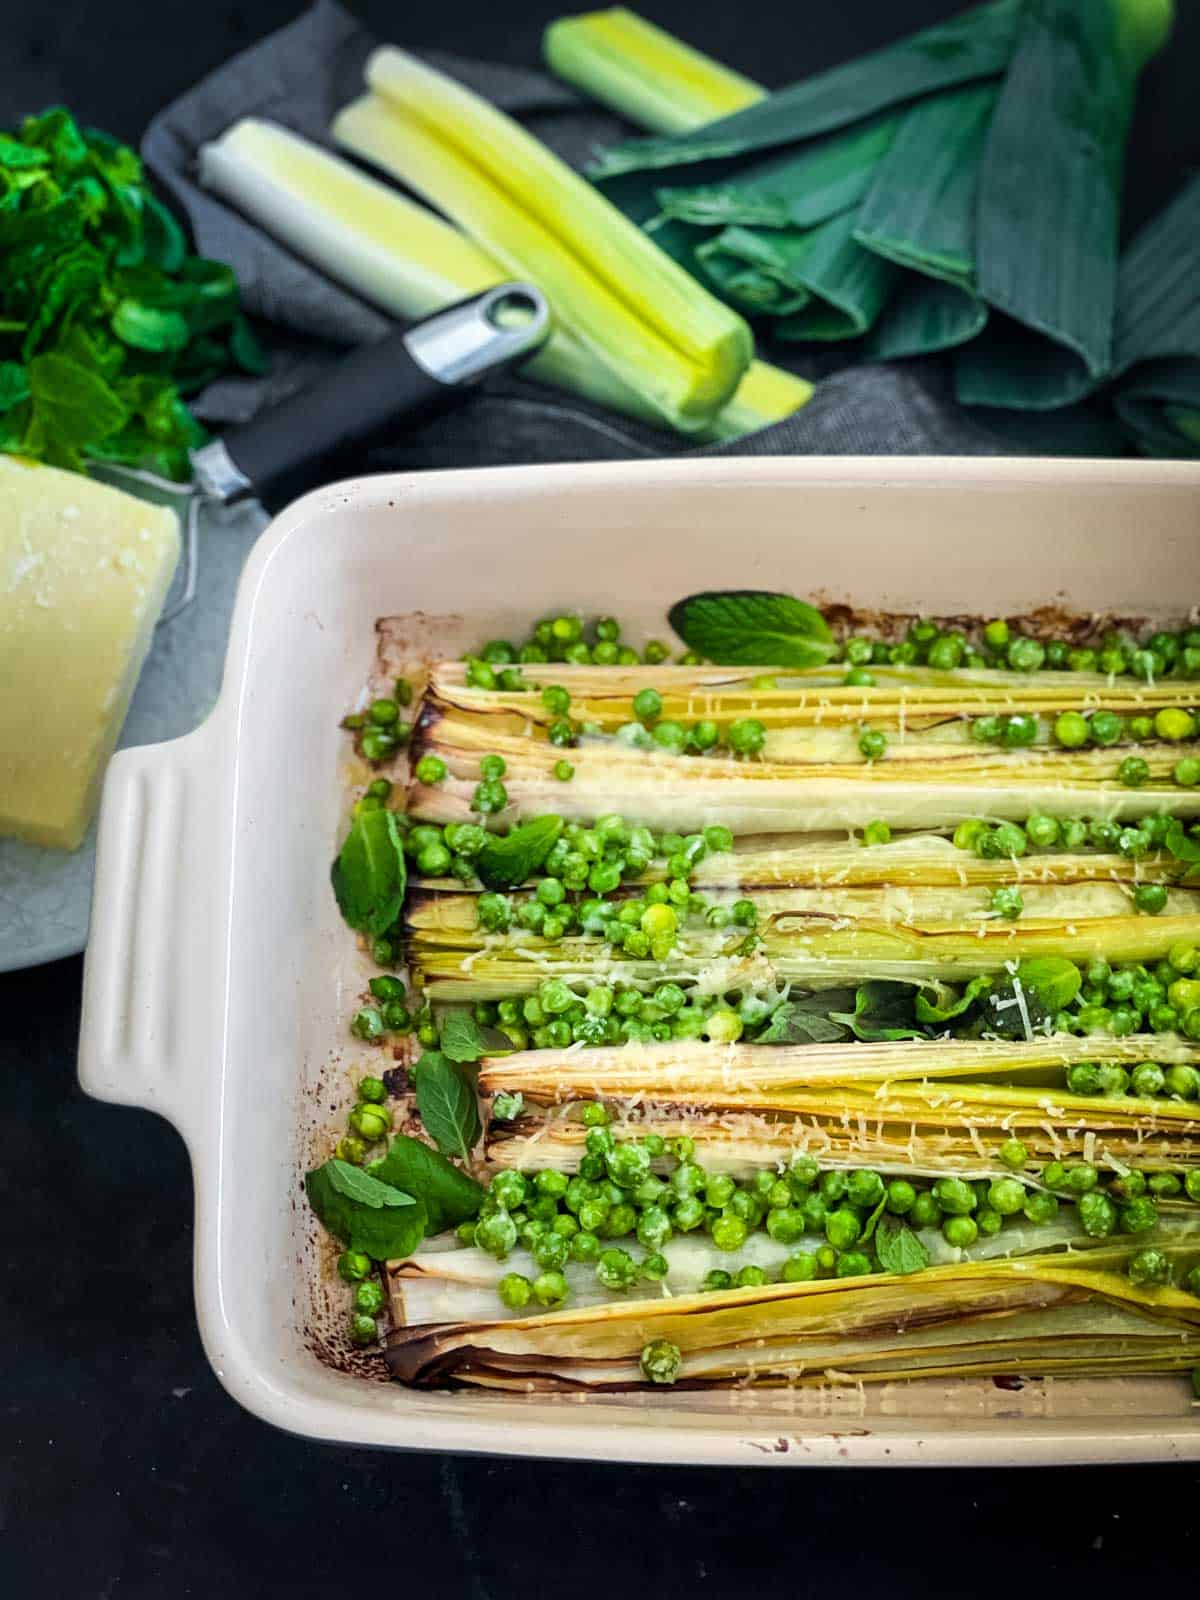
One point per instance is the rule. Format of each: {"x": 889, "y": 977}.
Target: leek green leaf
{"x": 976, "y": 44}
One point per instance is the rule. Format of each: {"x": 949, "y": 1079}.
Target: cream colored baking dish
{"x": 219, "y": 976}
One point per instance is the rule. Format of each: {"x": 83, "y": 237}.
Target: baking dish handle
{"x": 153, "y": 972}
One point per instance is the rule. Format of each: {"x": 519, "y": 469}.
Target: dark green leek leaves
{"x": 1049, "y": 200}
{"x": 976, "y": 44}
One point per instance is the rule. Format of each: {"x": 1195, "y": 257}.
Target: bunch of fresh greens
{"x": 106, "y": 320}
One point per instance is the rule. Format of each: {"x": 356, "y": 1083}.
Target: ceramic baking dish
{"x": 219, "y": 976}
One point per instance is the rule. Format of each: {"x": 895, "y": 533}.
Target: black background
{"x": 125, "y": 1471}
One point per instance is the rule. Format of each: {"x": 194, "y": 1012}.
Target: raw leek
{"x": 404, "y": 259}
{"x": 609, "y": 284}
{"x": 644, "y": 73}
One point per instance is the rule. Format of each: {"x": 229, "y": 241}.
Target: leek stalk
{"x": 644, "y": 73}
{"x": 542, "y": 219}
{"x": 399, "y": 256}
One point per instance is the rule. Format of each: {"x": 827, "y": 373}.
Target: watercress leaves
{"x": 369, "y": 874}
{"x": 464, "y": 1039}
{"x": 447, "y": 1104}
{"x": 506, "y": 861}
{"x": 898, "y": 1247}
{"x": 883, "y": 1010}
{"x": 752, "y": 627}
{"x": 448, "y": 1195}
{"x": 364, "y": 1213}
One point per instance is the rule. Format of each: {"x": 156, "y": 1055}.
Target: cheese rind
{"x": 84, "y": 571}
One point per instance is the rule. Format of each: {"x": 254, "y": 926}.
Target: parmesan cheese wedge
{"x": 84, "y": 571}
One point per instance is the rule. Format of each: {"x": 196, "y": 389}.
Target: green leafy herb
{"x": 447, "y": 1104}
{"x": 508, "y": 1107}
{"x": 506, "y": 861}
{"x": 944, "y": 1010}
{"x": 898, "y": 1247}
{"x": 97, "y": 292}
{"x": 464, "y": 1039}
{"x": 807, "y": 1020}
{"x": 872, "y": 1221}
{"x": 364, "y": 1213}
{"x": 883, "y": 1010}
{"x": 1184, "y": 848}
{"x": 449, "y": 1195}
{"x": 368, "y": 874}
{"x": 1053, "y": 981}
{"x": 751, "y": 627}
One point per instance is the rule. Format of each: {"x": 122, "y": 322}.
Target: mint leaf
{"x": 1184, "y": 848}
{"x": 369, "y": 875}
{"x": 506, "y": 862}
{"x": 752, "y": 627}
{"x": 873, "y": 1219}
{"x": 447, "y": 1105}
{"x": 882, "y": 1010}
{"x": 931, "y": 1011}
{"x": 362, "y": 1188}
{"x": 385, "y": 1232}
{"x": 448, "y": 1195}
{"x": 1053, "y": 981}
{"x": 898, "y": 1247}
{"x": 808, "y": 1020}
{"x": 463, "y": 1039}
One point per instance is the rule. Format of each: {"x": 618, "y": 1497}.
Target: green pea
{"x": 1150, "y": 898}
{"x": 842, "y": 1228}
{"x": 1105, "y": 727}
{"x": 514, "y": 1290}
{"x": 1139, "y": 1216}
{"x": 901, "y": 1197}
{"x": 1007, "y": 1196}
{"x": 1042, "y": 831}
{"x": 872, "y": 744}
{"x": 353, "y": 1266}
{"x": 660, "y": 1361}
{"x": 746, "y": 736}
{"x": 717, "y": 1278}
{"x": 877, "y": 833}
{"x": 430, "y": 770}
{"x": 800, "y": 1268}
{"x": 647, "y": 705}
{"x": 1148, "y": 1267}
{"x": 1013, "y": 1154}
{"x": 1040, "y": 1207}
{"x": 960, "y": 1231}
{"x": 1019, "y": 731}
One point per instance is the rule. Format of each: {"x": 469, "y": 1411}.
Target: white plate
{"x": 45, "y": 895}
{"x": 219, "y": 977}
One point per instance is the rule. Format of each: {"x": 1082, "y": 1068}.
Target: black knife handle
{"x": 404, "y": 378}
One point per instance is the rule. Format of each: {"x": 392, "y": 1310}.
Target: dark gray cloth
{"x": 300, "y": 77}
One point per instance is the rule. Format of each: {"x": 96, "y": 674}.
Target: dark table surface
{"x": 125, "y": 1470}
